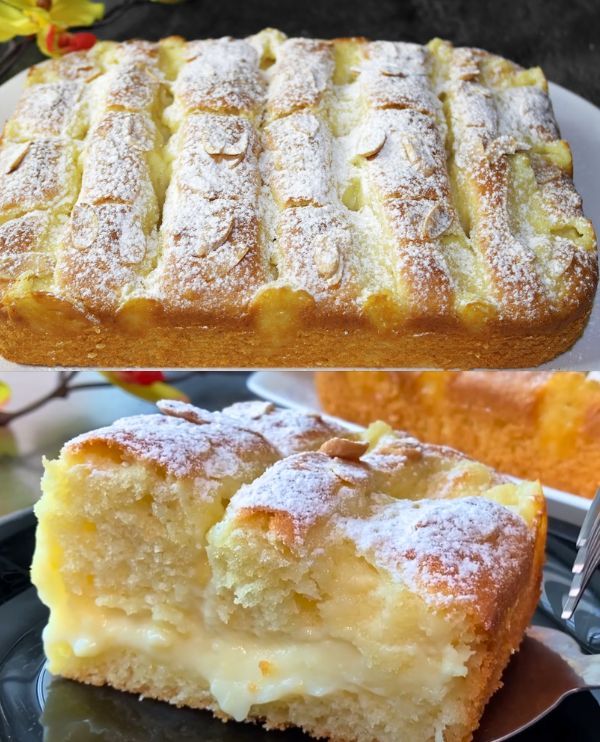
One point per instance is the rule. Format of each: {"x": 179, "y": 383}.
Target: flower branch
{"x": 148, "y": 385}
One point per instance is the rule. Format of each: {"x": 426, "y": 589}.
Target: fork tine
{"x": 589, "y": 520}
{"x": 587, "y": 559}
{"x": 587, "y": 551}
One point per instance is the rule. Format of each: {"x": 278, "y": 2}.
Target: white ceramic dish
{"x": 296, "y": 389}
{"x": 579, "y": 122}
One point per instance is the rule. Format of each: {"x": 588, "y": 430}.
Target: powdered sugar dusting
{"x": 49, "y": 109}
{"x": 220, "y": 75}
{"x": 302, "y": 488}
{"x": 491, "y": 123}
{"x": 33, "y": 176}
{"x": 298, "y": 160}
{"x": 465, "y": 550}
{"x": 184, "y": 449}
{"x": 288, "y": 430}
{"x": 187, "y": 441}
{"x": 395, "y": 74}
{"x": 345, "y": 187}
{"x": 407, "y": 175}
{"x": 300, "y": 76}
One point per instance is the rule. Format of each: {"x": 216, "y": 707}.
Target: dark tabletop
{"x": 563, "y": 36}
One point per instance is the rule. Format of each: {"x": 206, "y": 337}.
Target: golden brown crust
{"x": 417, "y": 198}
{"x": 508, "y": 637}
{"x": 188, "y": 441}
{"x": 40, "y": 329}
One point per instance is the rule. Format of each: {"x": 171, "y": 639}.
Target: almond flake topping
{"x": 344, "y": 448}
{"x": 84, "y": 226}
{"x": 221, "y": 229}
{"x": 13, "y": 156}
{"x": 327, "y": 259}
{"x": 184, "y": 411}
{"x": 436, "y": 222}
{"x": 370, "y": 141}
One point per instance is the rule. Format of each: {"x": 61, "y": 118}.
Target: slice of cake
{"x": 373, "y": 589}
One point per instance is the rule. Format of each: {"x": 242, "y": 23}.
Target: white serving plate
{"x": 296, "y": 389}
{"x": 579, "y": 122}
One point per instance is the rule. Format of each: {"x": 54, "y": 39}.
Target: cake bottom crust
{"x": 244, "y": 346}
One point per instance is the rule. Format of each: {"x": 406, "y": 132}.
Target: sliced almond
{"x": 370, "y": 141}
{"x": 435, "y": 223}
{"x": 389, "y": 69}
{"x": 233, "y": 161}
{"x": 13, "y": 156}
{"x": 258, "y": 409}
{"x": 222, "y": 229}
{"x": 212, "y": 145}
{"x": 307, "y": 124}
{"x": 238, "y": 147}
{"x": 217, "y": 144}
{"x": 418, "y": 157}
{"x": 184, "y": 411}
{"x": 344, "y": 448}
{"x": 239, "y": 254}
{"x": 234, "y": 256}
{"x": 327, "y": 258}
{"x": 84, "y": 226}
{"x": 505, "y": 145}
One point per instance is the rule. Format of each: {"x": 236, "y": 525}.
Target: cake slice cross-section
{"x": 270, "y": 566}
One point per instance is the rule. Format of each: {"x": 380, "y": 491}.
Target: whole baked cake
{"x": 268, "y": 566}
{"x": 533, "y": 424}
{"x": 292, "y": 202}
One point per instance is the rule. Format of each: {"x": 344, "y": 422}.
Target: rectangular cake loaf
{"x": 537, "y": 425}
{"x": 293, "y": 202}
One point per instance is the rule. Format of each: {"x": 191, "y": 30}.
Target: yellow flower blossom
{"x": 39, "y": 17}
{"x": 4, "y": 393}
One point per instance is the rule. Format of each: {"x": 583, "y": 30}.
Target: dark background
{"x": 563, "y": 36}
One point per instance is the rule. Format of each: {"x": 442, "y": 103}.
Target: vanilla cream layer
{"x": 242, "y": 670}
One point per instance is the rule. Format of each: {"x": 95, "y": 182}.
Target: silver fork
{"x": 587, "y": 559}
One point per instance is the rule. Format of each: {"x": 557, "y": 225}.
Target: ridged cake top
{"x": 187, "y": 441}
{"x": 206, "y": 175}
{"x": 467, "y": 549}
{"x": 426, "y": 516}
{"x": 429, "y": 517}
